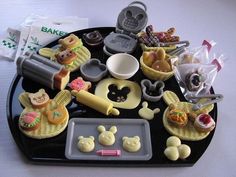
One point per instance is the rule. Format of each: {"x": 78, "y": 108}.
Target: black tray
{"x": 52, "y": 150}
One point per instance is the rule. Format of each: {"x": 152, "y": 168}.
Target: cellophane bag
{"x": 195, "y": 70}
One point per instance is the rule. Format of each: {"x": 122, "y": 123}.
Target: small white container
{"x": 122, "y": 65}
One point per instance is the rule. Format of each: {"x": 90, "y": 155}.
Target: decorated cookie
{"x": 131, "y": 144}
{"x": 39, "y": 99}
{"x": 70, "y": 42}
{"x": 30, "y": 121}
{"x": 188, "y": 131}
{"x": 56, "y": 115}
{"x": 79, "y": 84}
{"x": 66, "y": 57}
{"x": 86, "y": 144}
{"x": 106, "y": 138}
{"x": 146, "y": 112}
{"x": 53, "y": 116}
{"x": 176, "y": 150}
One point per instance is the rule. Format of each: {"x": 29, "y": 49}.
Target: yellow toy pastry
{"x": 173, "y": 141}
{"x": 86, "y": 144}
{"x": 175, "y": 149}
{"x": 172, "y": 153}
{"x": 131, "y": 144}
{"x": 45, "y": 121}
{"x": 146, "y": 112}
{"x": 106, "y": 138}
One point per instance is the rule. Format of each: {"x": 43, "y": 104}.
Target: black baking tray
{"x": 52, "y": 150}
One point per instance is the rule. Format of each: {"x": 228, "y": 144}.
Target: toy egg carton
{"x": 131, "y": 21}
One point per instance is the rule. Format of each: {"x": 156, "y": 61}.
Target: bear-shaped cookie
{"x": 39, "y": 99}
{"x": 131, "y": 144}
{"x": 86, "y": 144}
{"x": 106, "y": 138}
{"x": 66, "y": 57}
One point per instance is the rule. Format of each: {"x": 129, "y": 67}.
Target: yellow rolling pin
{"x": 95, "y": 102}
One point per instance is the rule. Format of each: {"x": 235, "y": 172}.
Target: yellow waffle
{"x": 46, "y": 129}
{"x": 187, "y": 132}
{"x": 83, "y": 54}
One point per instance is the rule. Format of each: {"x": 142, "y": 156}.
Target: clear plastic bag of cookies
{"x": 195, "y": 70}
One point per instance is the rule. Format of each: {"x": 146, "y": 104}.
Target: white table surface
{"x": 194, "y": 20}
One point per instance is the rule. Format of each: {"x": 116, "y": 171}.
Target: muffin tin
{"x": 52, "y": 150}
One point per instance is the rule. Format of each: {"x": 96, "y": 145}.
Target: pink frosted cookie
{"x": 79, "y": 84}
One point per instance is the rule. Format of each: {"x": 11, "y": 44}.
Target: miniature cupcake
{"x": 204, "y": 123}
{"x": 29, "y": 121}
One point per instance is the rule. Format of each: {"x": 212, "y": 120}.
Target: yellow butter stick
{"x": 95, "y": 102}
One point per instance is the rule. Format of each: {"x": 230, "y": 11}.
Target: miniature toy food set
{"x": 106, "y": 111}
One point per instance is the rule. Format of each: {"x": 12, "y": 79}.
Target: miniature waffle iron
{"x": 131, "y": 21}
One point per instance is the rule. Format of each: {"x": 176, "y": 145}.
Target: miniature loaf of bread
{"x": 43, "y": 71}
